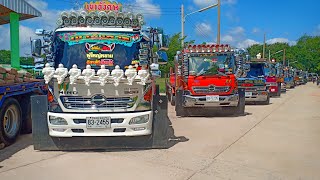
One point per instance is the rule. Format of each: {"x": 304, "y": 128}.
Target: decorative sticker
{"x": 73, "y": 38}
{"x": 100, "y": 54}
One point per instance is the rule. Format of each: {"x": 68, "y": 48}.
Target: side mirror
{"x": 36, "y": 47}
{"x": 163, "y": 57}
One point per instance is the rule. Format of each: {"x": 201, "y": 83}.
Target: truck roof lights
{"x": 208, "y": 48}
{"x": 100, "y": 18}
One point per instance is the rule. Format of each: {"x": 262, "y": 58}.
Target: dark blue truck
{"x": 15, "y": 109}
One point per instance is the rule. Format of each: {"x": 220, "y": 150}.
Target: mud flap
{"x": 242, "y": 101}
{"x": 179, "y": 104}
{"x": 161, "y": 121}
{"x": 43, "y": 141}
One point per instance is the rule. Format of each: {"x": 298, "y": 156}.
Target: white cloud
{"x": 317, "y": 31}
{"x": 204, "y": 3}
{"x": 281, "y": 40}
{"x": 146, "y": 7}
{"x": 49, "y": 16}
{"x": 247, "y": 43}
{"x": 227, "y": 39}
{"x": 25, "y": 34}
{"x": 237, "y": 31}
{"x": 203, "y": 29}
{"x": 255, "y": 30}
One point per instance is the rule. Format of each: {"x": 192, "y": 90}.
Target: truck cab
{"x": 101, "y": 71}
{"x": 205, "y": 79}
{"x": 255, "y": 84}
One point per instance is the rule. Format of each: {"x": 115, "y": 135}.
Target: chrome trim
{"x": 210, "y": 89}
{"x": 78, "y": 102}
{"x": 200, "y": 101}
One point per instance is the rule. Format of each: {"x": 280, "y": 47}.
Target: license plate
{"x": 98, "y": 122}
{"x": 212, "y": 98}
{"x": 248, "y": 94}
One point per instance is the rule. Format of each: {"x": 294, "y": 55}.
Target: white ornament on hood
{"x": 48, "y": 73}
{"x": 117, "y": 74}
{"x": 103, "y": 74}
{"x": 131, "y": 74}
{"x": 74, "y": 73}
{"x": 88, "y": 74}
{"x": 61, "y": 73}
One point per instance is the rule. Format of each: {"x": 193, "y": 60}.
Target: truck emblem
{"x": 98, "y": 99}
{"x": 212, "y": 88}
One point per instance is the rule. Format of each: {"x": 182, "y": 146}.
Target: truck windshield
{"x": 96, "y": 49}
{"x": 256, "y": 70}
{"x": 270, "y": 70}
{"x": 211, "y": 65}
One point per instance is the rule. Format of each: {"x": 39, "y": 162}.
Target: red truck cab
{"x": 204, "y": 80}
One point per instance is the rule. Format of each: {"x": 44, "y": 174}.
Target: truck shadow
{"x": 23, "y": 142}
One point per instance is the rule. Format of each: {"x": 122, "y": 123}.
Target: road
{"x": 278, "y": 141}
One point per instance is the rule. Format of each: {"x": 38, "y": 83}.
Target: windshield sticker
{"x": 74, "y": 38}
{"x": 100, "y": 47}
{"x": 100, "y": 54}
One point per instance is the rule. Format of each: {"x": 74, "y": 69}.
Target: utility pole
{"x": 284, "y": 57}
{"x": 264, "y": 46}
{"x": 182, "y": 26}
{"x": 219, "y": 20}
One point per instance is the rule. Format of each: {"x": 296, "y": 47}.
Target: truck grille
{"x": 211, "y": 89}
{"x": 97, "y": 102}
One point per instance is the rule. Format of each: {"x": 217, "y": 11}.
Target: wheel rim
{"x": 10, "y": 121}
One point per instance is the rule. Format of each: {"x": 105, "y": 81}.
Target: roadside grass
{"x": 162, "y": 84}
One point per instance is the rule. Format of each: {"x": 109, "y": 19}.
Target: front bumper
{"x": 201, "y": 101}
{"x": 258, "y": 96}
{"x": 119, "y": 126}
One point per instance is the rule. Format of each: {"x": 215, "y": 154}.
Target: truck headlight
{"x": 57, "y": 120}
{"x": 139, "y": 120}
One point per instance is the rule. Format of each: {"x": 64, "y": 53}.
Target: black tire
{"x": 279, "y": 90}
{"x": 173, "y": 100}
{"x": 240, "y": 108}
{"x": 10, "y": 111}
{"x": 27, "y": 122}
{"x": 180, "y": 110}
{"x": 267, "y": 102}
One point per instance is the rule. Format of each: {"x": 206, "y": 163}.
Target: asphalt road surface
{"x": 278, "y": 141}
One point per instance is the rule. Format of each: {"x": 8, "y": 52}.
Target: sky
{"x": 243, "y": 22}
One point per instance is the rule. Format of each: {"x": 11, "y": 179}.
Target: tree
{"x": 174, "y": 46}
{"x": 5, "y": 58}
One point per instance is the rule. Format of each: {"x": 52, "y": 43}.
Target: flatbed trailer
{"x": 15, "y": 109}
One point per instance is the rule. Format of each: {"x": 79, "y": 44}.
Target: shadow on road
{"x": 23, "y": 142}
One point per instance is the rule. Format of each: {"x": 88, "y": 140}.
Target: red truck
{"x": 204, "y": 80}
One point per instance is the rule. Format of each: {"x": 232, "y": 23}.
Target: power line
{"x": 201, "y": 32}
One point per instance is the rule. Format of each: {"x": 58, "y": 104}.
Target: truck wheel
{"x": 173, "y": 100}
{"x": 279, "y": 90}
{"x": 180, "y": 110}
{"x": 267, "y": 102}
{"x": 10, "y": 121}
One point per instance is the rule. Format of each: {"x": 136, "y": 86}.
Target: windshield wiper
{"x": 222, "y": 74}
{"x": 200, "y": 73}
